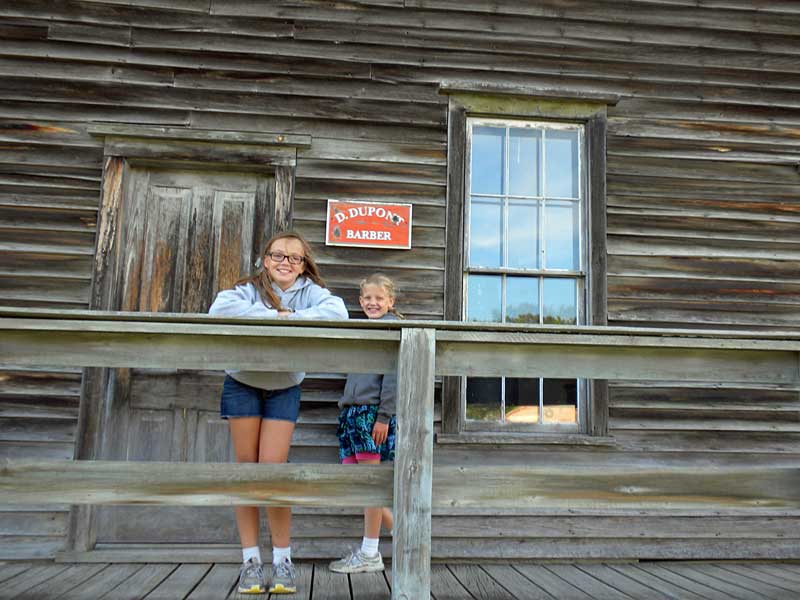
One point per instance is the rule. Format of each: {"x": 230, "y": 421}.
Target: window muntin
{"x": 525, "y": 263}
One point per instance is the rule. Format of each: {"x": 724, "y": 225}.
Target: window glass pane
{"x": 523, "y": 234}
{"x": 483, "y": 399}
{"x": 561, "y": 234}
{"x": 559, "y": 302}
{"x": 486, "y": 232}
{"x": 523, "y": 162}
{"x": 488, "y": 145}
{"x": 560, "y": 401}
{"x": 561, "y": 164}
{"x": 522, "y": 300}
{"x": 522, "y": 400}
{"x": 484, "y": 298}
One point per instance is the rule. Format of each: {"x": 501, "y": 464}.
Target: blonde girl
{"x": 367, "y": 426}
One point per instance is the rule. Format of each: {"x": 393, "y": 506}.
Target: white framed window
{"x": 525, "y": 260}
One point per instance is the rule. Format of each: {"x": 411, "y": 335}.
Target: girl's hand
{"x": 380, "y": 431}
{"x": 284, "y": 313}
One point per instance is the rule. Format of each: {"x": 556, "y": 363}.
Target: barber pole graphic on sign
{"x": 368, "y": 224}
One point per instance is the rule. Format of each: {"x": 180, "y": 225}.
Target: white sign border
{"x": 382, "y": 246}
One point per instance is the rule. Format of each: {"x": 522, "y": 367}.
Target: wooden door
{"x": 185, "y": 235}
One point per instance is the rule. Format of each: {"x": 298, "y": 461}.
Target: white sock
{"x": 251, "y": 552}
{"x": 281, "y": 554}
{"x": 369, "y": 546}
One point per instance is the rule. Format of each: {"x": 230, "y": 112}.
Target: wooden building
{"x": 625, "y": 163}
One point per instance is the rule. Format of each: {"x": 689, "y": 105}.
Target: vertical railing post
{"x": 413, "y": 467}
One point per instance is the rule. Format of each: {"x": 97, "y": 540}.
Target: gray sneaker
{"x": 251, "y": 578}
{"x": 283, "y": 578}
{"x": 357, "y": 562}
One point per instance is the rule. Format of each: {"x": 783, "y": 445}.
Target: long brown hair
{"x": 261, "y": 279}
{"x": 387, "y": 284}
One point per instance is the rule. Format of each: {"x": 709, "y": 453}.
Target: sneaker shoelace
{"x": 254, "y": 569}
{"x": 284, "y": 569}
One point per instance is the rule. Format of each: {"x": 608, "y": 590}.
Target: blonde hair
{"x": 384, "y": 282}
{"x": 261, "y": 279}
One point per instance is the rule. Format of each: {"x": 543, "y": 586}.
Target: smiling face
{"x": 285, "y": 273}
{"x": 375, "y": 300}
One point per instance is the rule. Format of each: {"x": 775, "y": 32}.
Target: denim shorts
{"x": 242, "y": 400}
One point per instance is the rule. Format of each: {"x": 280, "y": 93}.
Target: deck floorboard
{"x": 750, "y": 573}
{"x": 103, "y": 582}
{"x": 623, "y": 583}
{"x": 666, "y": 580}
{"x": 141, "y": 583}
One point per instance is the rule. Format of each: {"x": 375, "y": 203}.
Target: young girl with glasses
{"x": 367, "y": 426}
{"x": 262, "y": 407}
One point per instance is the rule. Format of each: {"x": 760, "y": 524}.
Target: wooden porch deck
{"x": 550, "y": 581}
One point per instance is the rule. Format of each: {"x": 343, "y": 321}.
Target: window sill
{"x": 500, "y": 438}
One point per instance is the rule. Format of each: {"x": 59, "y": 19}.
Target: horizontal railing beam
{"x": 745, "y": 486}
{"x": 278, "y": 347}
{"x": 610, "y": 361}
{"x": 455, "y": 329}
{"x": 195, "y": 484}
{"x": 201, "y": 342}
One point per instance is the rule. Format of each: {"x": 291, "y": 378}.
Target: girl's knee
{"x": 271, "y": 457}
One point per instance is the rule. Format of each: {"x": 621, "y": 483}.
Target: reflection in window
{"x": 524, "y": 242}
{"x": 485, "y": 297}
{"x": 560, "y": 401}
{"x": 522, "y": 300}
{"x": 522, "y": 400}
{"x": 486, "y": 220}
{"x": 524, "y": 150}
{"x": 523, "y": 248}
{"x": 488, "y": 145}
{"x": 560, "y": 306}
{"x": 561, "y": 239}
{"x": 484, "y": 401}
{"x": 561, "y": 159}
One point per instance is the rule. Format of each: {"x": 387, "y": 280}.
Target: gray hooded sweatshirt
{"x": 306, "y": 298}
{"x": 363, "y": 389}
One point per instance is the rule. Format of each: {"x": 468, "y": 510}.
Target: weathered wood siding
{"x": 702, "y": 180}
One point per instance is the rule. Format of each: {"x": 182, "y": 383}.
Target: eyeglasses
{"x": 278, "y": 257}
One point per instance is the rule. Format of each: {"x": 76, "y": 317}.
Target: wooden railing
{"x": 417, "y": 351}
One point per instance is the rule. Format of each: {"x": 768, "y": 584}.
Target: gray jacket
{"x": 306, "y": 298}
{"x": 364, "y": 389}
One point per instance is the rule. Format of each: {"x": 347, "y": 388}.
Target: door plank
{"x": 162, "y": 269}
{"x": 198, "y": 274}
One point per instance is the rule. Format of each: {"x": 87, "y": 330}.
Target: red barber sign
{"x": 368, "y": 224}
